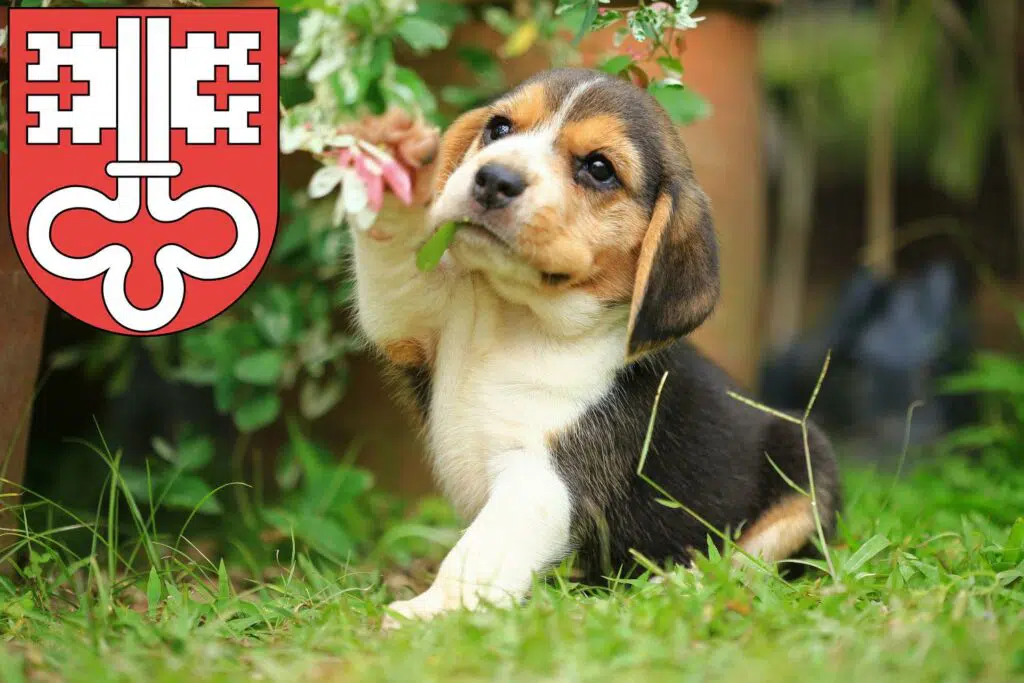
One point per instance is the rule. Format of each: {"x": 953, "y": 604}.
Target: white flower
{"x": 685, "y": 21}
{"x": 324, "y": 180}
{"x": 293, "y": 138}
{"x": 684, "y": 14}
{"x": 353, "y": 203}
{"x": 353, "y": 193}
{"x": 326, "y": 65}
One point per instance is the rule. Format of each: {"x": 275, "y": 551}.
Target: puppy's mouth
{"x": 478, "y": 232}
{"x": 481, "y": 231}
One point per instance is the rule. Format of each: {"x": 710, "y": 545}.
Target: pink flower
{"x": 374, "y": 183}
{"x": 377, "y": 174}
{"x": 636, "y": 52}
{"x": 400, "y": 181}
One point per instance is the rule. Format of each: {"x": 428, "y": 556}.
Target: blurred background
{"x": 865, "y": 160}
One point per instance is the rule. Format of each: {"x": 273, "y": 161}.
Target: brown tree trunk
{"x": 22, "y": 312}
{"x": 880, "y": 255}
{"x": 1003, "y": 22}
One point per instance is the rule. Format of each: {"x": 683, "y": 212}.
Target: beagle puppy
{"x": 533, "y": 354}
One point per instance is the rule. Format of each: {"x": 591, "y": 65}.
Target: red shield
{"x": 143, "y": 159}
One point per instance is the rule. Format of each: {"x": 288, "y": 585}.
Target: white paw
{"x": 424, "y": 606}
{"x": 445, "y": 596}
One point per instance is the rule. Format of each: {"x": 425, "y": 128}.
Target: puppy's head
{"x": 579, "y": 180}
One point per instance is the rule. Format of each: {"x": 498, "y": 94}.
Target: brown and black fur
{"x": 708, "y": 451}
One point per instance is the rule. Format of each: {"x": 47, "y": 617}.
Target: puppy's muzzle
{"x": 495, "y": 186}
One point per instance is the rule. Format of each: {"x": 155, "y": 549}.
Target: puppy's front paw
{"x": 424, "y": 606}
{"x": 447, "y": 596}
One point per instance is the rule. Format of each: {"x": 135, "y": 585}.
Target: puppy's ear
{"x": 676, "y": 284}
{"x": 455, "y": 142}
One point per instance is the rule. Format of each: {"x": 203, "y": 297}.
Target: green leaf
{"x": 616, "y": 65}
{"x": 225, "y": 392}
{"x": 464, "y": 98}
{"x": 194, "y": 454}
{"x": 1013, "y": 551}
{"x": 500, "y": 20}
{"x": 137, "y": 482}
{"x": 422, "y": 34}
{"x": 223, "y": 582}
{"x": 259, "y": 411}
{"x": 683, "y": 105}
{"x": 163, "y": 449}
{"x": 408, "y": 88}
{"x": 567, "y": 5}
{"x": 154, "y": 590}
{"x": 441, "y": 12}
{"x": 588, "y": 21}
{"x": 713, "y": 553}
{"x": 871, "y": 547}
{"x": 429, "y": 255}
{"x": 672, "y": 66}
{"x": 606, "y": 19}
{"x": 262, "y": 368}
{"x": 992, "y": 372}
{"x": 189, "y": 492}
{"x": 322, "y": 534}
{"x": 478, "y": 59}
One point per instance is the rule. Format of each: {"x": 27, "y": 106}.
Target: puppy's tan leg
{"x": 781, "y": 531}
{"x": 399, "y": 308}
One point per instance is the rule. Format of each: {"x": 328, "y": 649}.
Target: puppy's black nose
{"x": 495, "y": 186}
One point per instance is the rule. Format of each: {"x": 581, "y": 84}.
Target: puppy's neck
{"x": 561, "y": 315}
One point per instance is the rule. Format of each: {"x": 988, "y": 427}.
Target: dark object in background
{"x": 891, "y": 341}
{"x": 73, "y": 405}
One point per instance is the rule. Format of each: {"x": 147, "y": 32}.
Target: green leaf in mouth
{"x": 431, "y": 252}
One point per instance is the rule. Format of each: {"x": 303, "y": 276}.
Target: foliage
{"x": 946, "y": 102}
{"x": 658, "y": 31}
{"x": 998, "y": 381}
{"x": 930, "y": 588}
{"x": 176, "y": 482}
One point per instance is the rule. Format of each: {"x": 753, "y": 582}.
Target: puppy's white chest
{"x": 501, "y": 387}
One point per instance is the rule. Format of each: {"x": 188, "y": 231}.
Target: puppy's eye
{"x": 497, "y": 128}
{"x": 599, "y": 169}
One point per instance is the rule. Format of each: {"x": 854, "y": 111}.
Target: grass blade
{"x": 871, "y": 547}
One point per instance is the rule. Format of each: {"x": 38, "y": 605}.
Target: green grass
{"x": 929, "y": 586}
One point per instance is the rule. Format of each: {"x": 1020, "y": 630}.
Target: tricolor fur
{"x": 533, "y": 354}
